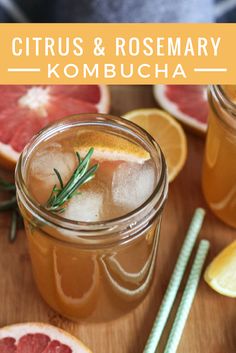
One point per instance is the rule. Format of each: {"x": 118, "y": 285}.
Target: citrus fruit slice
{"x": 167, "y": 132}
{"x": 221, "y": 274}
{"x": 24, "y": 110}
{"x": 110, "y": 147}
{"x": 188, "y": 103}
{"x": 38, "y": 338}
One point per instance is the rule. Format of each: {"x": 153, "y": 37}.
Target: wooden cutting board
{"x": 211, "y": 324}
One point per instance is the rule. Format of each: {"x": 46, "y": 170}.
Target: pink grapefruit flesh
{"x": 188, "y": 103}
{"x": 38, "y": 338}
{"x": 24, "y": 110}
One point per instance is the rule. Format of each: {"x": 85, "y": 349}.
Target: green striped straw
{"x": 187, "y": 298}
{"x": 175, "y": 281}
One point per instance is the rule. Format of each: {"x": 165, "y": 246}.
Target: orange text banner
{"x": 117, "y": 53}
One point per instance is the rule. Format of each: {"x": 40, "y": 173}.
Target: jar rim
{"x": 224, "y": 99}
{"x": 226, "y": 104}
{"x": 91, "y": 119}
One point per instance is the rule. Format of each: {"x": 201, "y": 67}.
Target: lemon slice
{"x": 167, "y": 132}
{"x": 221, "y": 273}
{"x": 110, "y": 147}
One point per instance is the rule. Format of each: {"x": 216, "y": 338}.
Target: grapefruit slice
{"x": 24, "y": 110}
{"x": 110, "y": 147}
{"x": 38, "y": 338}
{"x": 188, "y": 103}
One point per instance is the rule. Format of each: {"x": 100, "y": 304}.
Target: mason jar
{"x": 96, "y": 270}
{"x": 219, "y": 167}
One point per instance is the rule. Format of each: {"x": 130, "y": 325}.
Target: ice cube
{"x": 132, "y": 184}
{"x": 85, "y": 206}
{"x": 52, "y": 157}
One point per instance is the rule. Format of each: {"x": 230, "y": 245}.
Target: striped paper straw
{"x": 187, "y": 298}
{"x": 175, "y": 281}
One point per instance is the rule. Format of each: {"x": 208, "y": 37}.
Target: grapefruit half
{"x": 24, "y": 110}
{"x": 38, "y": 338}
{"x": 188, "y": 103}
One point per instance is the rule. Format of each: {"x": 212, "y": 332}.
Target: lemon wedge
{"x": 221, "y": 273}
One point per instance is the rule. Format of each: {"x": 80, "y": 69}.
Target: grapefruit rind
{"x": 170, "y": 107}
{"x": 110, "y": 147}
{"x": 8, "y": 156}
{"x": 103, "y": 106}
{"x": 54, "y": 333}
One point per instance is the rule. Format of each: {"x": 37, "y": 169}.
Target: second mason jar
{"x": 219, "y": 168}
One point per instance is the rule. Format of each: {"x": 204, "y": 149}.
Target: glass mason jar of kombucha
{"x": 219, "y": 167}
{"x": 96, "y": 260}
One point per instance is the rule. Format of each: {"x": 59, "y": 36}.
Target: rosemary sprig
{"x": 81, "y": 175}
{"x": 10, "y": 205}
{"x": 13, "y": 227}
{"x": 7, "y": 186}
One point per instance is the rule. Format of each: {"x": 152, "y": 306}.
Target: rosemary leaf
{"x": 8, "y": 204}
{"x": 13, "y": 228}
{"x": 11, "y": 204}
{"x": 78, "y": 156}
{"x": 6, "y": 186}
{"x": 59, "y": 178}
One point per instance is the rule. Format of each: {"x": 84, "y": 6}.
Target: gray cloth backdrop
{"x": 117, "y": 10}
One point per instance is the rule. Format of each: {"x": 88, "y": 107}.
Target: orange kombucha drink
{"x": 96, "y": 258}
{"x": 219, "y": 168}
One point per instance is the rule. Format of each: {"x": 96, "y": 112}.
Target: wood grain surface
{"x": 211, "y": 324}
